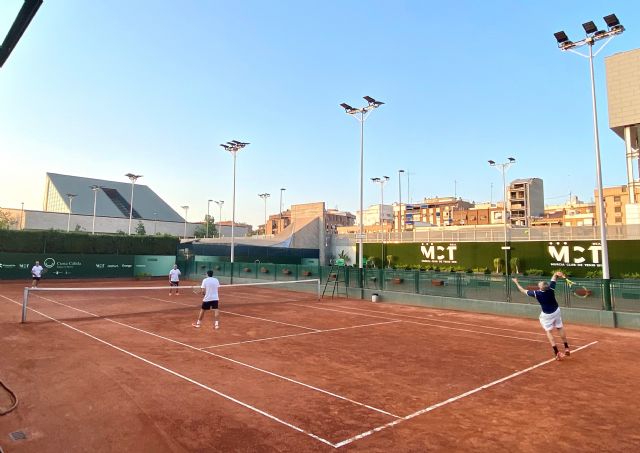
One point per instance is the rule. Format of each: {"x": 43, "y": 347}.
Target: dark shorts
{"x": 174, "y": 283}
{"x": 36, "y": 278}
{"x": 211, "y": 304}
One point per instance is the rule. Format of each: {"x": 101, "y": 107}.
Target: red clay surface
{"x": 304, "y": 376}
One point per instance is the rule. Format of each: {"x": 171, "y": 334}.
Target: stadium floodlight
{"x": 593, "y": 36}
{"x": 400, "y": 200}
{"x": 382, "y": 181}
{"x": 95, "y": 189}
{"x": 219, "y": 203}
{"x": 70, "y": 196}
{"x": 23, "y": 19}
{"x": 133, "y": 178}
{"x": 503, "y": 167}
{"x": 264, "y": 196}
{"x": 186, "y": 212}
{"x": 233, "y": 147}
{"x": 282, "y": 189}
{"x": 361, "y": 115}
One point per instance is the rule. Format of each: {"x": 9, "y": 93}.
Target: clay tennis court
{"x": 102, "y": 371}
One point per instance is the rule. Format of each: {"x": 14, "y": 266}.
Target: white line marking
{"x": 299, "y": 334}
{"x": 451, "y": 400}
{"x": 428, "y": 324}
{"x": 188, "y": 379}
{"x": 237, "y": 362}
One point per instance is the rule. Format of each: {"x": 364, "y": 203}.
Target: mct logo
{"x": 565, "y": 253}
{"x": 432, "y": 252}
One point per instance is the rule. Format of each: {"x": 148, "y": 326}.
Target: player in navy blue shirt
{"x": 550, "y": 314}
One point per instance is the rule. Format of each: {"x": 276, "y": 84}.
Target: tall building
{"x": 439, "y": 211}
{"x": 617, "y": 207}
{"x": 526, "y": 200}
{"x": 374, "y": 214}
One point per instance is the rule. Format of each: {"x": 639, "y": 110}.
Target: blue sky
{"x": 103, "y": 88}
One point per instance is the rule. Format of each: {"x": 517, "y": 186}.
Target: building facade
{"x": 374, "y": 214}
{"x": 526, "y": 201}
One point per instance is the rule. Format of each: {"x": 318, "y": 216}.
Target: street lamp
{"x": 382, "y": 181}
{"x": 361, "y": 115}
{"x": 593, "y": 35}
{"x": 233, "y": 147}
{"x": 133, "y": 178}
{"x": 400, "y": 201}
{"x": 220, "y": 203}
{"x": 208, "y": 218}
{"x": 186, "y": 211}
{"x": 95, "y": 189}
{"x": 503, "y": 167}
{"x": 71, "y": 196}
{"x": 264, "y": 196}
{"x": 281, "y": 223}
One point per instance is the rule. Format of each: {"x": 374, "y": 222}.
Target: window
{"x": 618, "y": 209}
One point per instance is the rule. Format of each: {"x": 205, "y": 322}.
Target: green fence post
{"x": 416, "y": 281}
{"x": 606, "y": 293}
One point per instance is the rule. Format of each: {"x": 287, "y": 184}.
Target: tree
{"x": 140, "y": 230}
{"x": 344, "y": 256}
{"x": 201, "y": 230}
{"x": 6, "y": 221}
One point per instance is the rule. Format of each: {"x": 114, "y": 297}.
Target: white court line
{"x": 237, "y": 314}
{"x": 429, "y": 324}
{"x": 237, "y": 362}
{"x": 188, "y": 379}
{"x": 299, "y": 334}
{"x": 451, "y": 400}
{"x": 434, "y": 318}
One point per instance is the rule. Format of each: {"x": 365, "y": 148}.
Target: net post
{"x": 318, "y": 289}
{"x": 25, "y": 298}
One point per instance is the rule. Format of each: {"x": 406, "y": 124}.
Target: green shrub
{"x": 596, "y": 273}
{"x": 630, "y": 275}
{"x": 534, "y": 272}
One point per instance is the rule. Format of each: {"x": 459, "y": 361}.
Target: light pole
{"x": 22, "y": 215}
{"x": 133, "y": 178}
{"x": 593, "y": 35}
{"x": 382, "y": 181}
{"x": 400, "y": 201}
{"x": 264, "y": 196}
{"x": 208, "y": 218}
{"x": 233, "y": 147}
{"x": 155, "y": 223}
{"x": 186, "y": 211}
{"x": 281, "y": 226}
{"x": 503, "y": 167}
{"x": 361, "y": 115}
{"x": 219, "y": 203}
{"x": 95, "y": 199}
{"x": 71, "y": 196}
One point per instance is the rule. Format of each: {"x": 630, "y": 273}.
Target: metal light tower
{"x": 186, "y": 211}
{"x": 361, "y": 115}
{"x": 503, "y": 167}
{"x": 233, "y": 147}
{"x": 71, "y": 196}
{"x": 133, "y": 178}
{"x": 593, "y": 35}
{"x": 208, "y": 218}
{"x": 382, "y": 181}
{"x": 281, "y": 223}
{"x": 219, "y": 203}
{"x": 400, "y": 201}
{"x": 264, "y": 196}
{"x": 155, "y": 223}
{"x": 95, "y": 189}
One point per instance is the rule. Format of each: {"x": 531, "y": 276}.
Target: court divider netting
{"x": 77, "y": 302}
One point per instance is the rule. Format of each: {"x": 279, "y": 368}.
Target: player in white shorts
{"x": 550, "y": 315}
{"x": 210, "y": 300}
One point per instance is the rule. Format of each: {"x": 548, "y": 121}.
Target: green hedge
{"x": 51, "y": 241}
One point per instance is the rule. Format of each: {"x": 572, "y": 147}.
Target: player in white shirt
{"x": 174, "y": 279}
{"x": 209, "y": 288}
{"x": 36, "y": 274}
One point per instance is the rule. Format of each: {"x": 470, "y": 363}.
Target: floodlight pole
{"x": 95, "y": 199}
{"x": 233, "y": 147}
{"x": 382, "y": 181}
{"x": 361, "y": 115}
{"x": 503, "y": 167}
{"x": 281, "y": 223}
{"x": 71, "y": 196}
{"x": 264, "y": 196}
{"x": 155, "y": 223}
{"x": 400, "y": 201}
{"x": 208, "y": 218}
{"x": 186, "y": 212}
{"x": 219, "y": 203}
{"x": 594, "y": 35}
{"x": 133, "y": 178}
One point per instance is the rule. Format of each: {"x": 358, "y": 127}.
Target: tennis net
{"x": 62, "y": 303}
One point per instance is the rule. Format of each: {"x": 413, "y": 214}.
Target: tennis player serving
{"x": 550, "y": 314}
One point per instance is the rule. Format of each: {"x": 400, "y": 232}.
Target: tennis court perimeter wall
{"x": 532, "y": 310}
{"x": 16, "y": 266}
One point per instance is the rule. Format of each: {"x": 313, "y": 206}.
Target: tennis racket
{"x": 196, "y": 289}
{"x": 578, "y": 290}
